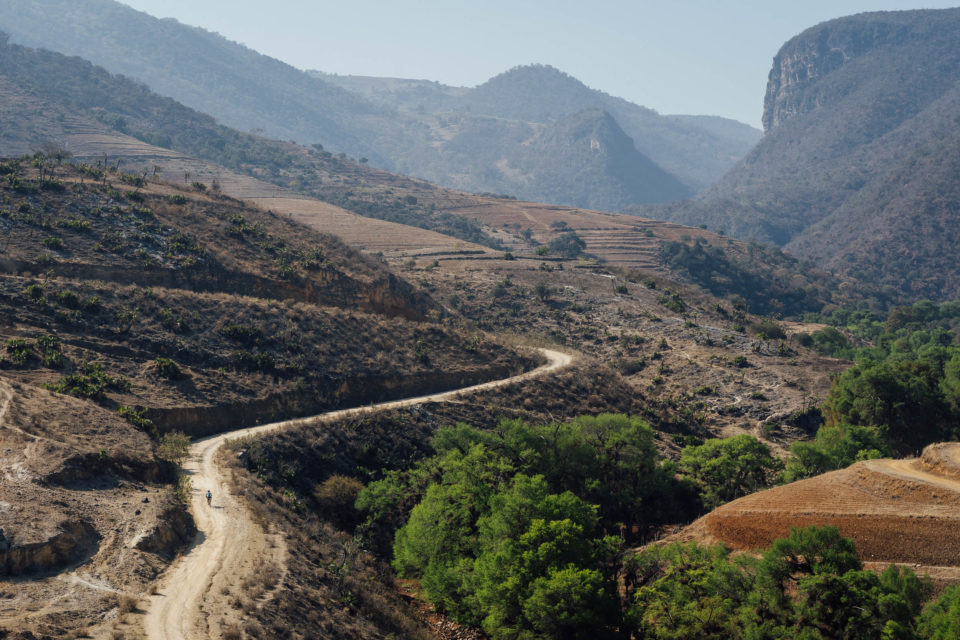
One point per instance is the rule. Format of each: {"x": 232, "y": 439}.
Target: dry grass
{"x": 126, "y": 604}
{"x": 232, "y": 632}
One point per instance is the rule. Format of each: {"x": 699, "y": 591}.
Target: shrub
{"x": 673, "y": 301}
{"x": 567, "y": 245}
{"x": 541, "y": 291}
{"x": 89, "y": 381}
{"x": 68, "y": 299}
{"x": 19, "y": 351}
{"x": 76, "y": 224}
{"x": 741, "y": 362}
{"x": 183, "y": 489}
{"x": 768, "y": 330}
{"x": 173, "y": 447}
{"x": 241, "y": 333}
{"x": 420, "y": 351}
{"x": 53, "y": 243}
{"x": 126, "y": 604}
{"x": 50, "y": 348}
{"x": 335, "y": 498}
{"x": 167, "y": 368}
{"x": 253, "y": 361}
{"x": 136, "y": 418}
{"x": 34, "y": 292}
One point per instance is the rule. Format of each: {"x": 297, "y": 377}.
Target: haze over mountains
{"x": 182, "y": 278}
{"x": 696, "y": 149}
{"x": 855, "y": 171}
{"x": 637, "y": 157}
{"x": 858, "y": 166}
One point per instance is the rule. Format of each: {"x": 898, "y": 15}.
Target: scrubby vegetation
{"x": 764, "y": 279}
{"x": 809, "y": 585}
{"x": 902, "y": 394}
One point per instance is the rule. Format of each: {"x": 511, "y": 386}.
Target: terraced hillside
{"x": 68, "y": 102}
{"x": 629, "y": 273}
{"x": 185, "y": 304}
{"x": 900, "y": 511}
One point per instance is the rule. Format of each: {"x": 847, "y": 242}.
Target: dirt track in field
{"x": 896, "y": 511}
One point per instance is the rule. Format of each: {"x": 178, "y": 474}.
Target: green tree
{"x": 570, "y": 603}
{"x": 689, "y": 591}
{"x": 940, "y": 619}
{"x": 901, "y": 398}
{"x": 439, "y": 541}
{"x": 725, "y": 469}
{"x": 539, "y": 548}
{"x": 835, "y": 447}
{"x": 950, "y": 383}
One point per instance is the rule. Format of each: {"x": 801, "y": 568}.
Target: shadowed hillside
{"x": 857, "y": 168}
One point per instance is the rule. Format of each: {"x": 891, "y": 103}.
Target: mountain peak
{"x": 532, "y": 92}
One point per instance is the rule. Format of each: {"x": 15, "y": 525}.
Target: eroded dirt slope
{"x": 85, "y": 515}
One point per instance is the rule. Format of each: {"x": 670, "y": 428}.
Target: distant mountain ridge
{"x": 858, "y": 167}
{"x": 695, "y": 149}
{"x": 251, "y": 92}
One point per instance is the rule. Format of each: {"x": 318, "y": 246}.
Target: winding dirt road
{"x": 228, "y": 537}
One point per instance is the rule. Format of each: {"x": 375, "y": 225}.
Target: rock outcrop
{"x": 819, "y": 51}
{"x": 74, "y": 541}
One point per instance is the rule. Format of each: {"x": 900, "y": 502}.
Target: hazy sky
{"x": 684, "y": 56}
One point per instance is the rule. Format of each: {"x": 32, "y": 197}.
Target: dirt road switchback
{"x": 229, "y": 543}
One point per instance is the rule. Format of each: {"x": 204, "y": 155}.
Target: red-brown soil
{"x": 899, "y": 511}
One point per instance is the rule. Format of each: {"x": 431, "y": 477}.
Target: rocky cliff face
{"x": 821, "y": 50}
{"x": 857, "y": 167}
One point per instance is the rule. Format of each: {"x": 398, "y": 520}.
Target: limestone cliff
{"x": 819, "y": 51}
{"x": 857, "y": 167}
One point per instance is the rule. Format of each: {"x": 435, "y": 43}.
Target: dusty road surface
{"x": 229, "y": 542}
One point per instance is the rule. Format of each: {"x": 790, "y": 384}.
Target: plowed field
{"x": 902, "y": 511}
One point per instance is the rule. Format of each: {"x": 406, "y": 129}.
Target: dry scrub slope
{"x": 230, "y": 545}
